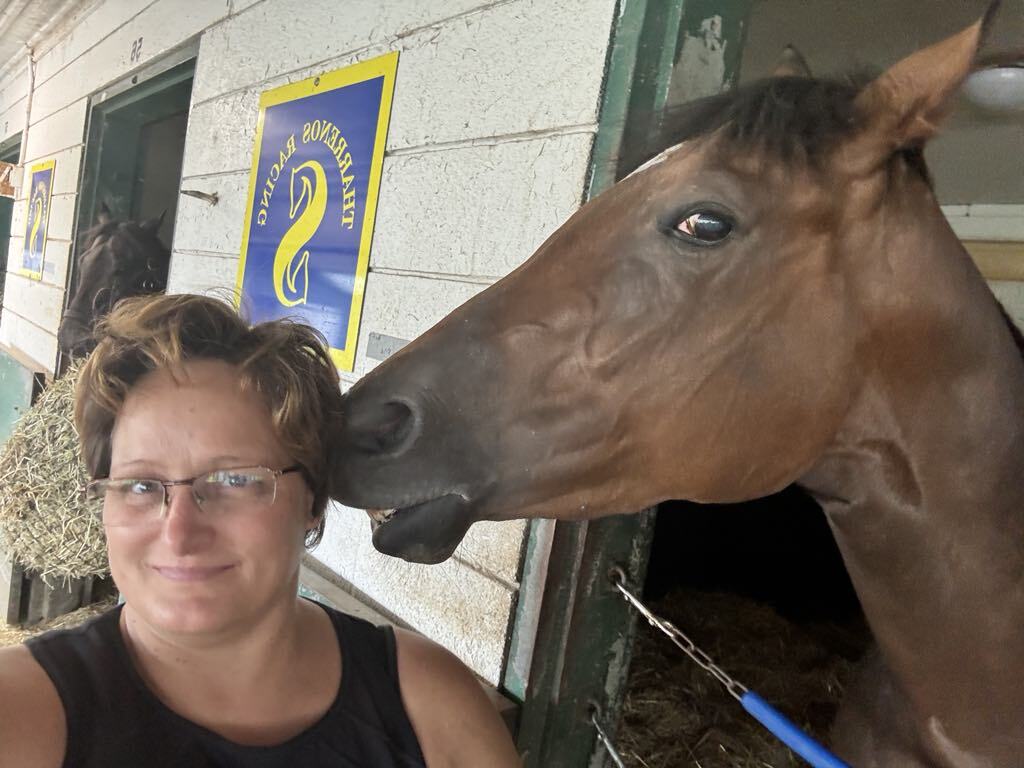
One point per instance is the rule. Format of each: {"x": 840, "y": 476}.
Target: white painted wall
{"x": 493, "y": 119}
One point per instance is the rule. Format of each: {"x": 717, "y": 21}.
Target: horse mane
{"x": 797, "y": 119}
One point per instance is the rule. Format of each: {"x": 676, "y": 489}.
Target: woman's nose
{"x": 184, "y": 523}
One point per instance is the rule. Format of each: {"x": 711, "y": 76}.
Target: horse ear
{"x": 152, "y": 226}
{"x": 791, "y": 64}
{"x": 104, "y": 216}
{"x": 906, "y": 103}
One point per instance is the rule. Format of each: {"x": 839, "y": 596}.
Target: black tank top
{"x": 115, "y": 721}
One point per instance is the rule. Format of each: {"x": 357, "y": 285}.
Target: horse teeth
{"x": 380, "y": 515}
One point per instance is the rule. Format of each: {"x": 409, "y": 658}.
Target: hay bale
{"x": 675, "y": 714}
{"x": 44, "y": 524}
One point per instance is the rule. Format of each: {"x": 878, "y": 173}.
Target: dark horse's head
{"x": 698, "y": 331}
{"x": 115, "y": 259}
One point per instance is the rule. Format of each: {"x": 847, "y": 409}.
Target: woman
{"x": 210, "y": 441}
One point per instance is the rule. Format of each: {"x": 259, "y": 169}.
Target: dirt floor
{"x": 12, "y": 635}
{"x": 676, "y": 714}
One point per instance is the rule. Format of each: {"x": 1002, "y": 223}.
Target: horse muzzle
{"x": 424, "y": 533}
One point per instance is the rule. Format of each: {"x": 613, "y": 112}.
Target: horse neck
{"x": 922, "y": 490}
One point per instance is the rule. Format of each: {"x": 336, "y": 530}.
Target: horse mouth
{"x": 427, "y": 532}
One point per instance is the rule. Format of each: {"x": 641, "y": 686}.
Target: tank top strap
{"x": 370, "y": 689}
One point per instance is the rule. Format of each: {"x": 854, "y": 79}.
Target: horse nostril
{"x": 384, "y": 428}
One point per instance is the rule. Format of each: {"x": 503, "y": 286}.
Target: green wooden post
{"x": 584, "y": 637}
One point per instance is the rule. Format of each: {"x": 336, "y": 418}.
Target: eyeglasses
{"x": 133, "y": 500}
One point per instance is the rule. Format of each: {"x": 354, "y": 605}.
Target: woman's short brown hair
{"x": 287, "y": 363}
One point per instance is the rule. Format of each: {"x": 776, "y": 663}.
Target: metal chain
{"x": 606, "y": 741}
{"x": 684, "y": 643}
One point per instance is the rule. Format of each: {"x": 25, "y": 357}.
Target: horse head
{"x": 116, "y": 259}
{"x": 699, "y": 331}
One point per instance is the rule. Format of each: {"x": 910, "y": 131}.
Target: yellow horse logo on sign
{"x": 291, "y": 261}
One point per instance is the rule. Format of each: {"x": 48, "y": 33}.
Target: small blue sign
{"x": 40, "y": 187}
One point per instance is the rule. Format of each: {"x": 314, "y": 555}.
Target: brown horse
{"x": 776, "y": 298}
{"x": 116, "y": 259}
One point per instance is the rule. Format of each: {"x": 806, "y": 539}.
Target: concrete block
{"x": 208, "y": 274}
{"x": 29, "y": 339}
{"x": 258, "y": 50}
{"x": 14, "y": 86}
{"x": 55, "y": 261}
{"x": 222, "y": 134}
{"x": 59, "y": 131}
{"x": 454, "y": 605}
{"x": 212, "y": 228}
{"x": 33, "y": 300}
{"x": 513, "y": 68}
{"x": 66, "y": 170}
{"x": 405, "y": 306}
{"x": 495, "y": 547}
{"x": 12, "y": 118}
{"x": 61, "y": 224}
{"x": 237, "y": 6}
{"x": 477, "y": 210}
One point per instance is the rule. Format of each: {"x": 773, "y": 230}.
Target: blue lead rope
{"x": 788, "y": 733}
{"x": 778, "y": 724}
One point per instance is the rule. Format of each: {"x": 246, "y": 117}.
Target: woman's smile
{"x": 191, "y": 572}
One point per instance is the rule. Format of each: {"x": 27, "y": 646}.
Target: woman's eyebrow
{"x": 214, "y": 462}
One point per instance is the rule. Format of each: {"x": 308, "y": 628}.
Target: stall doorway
{"x": 135, "y": 144}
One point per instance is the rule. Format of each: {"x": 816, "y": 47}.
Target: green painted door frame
{"x": 10, "y": 151}
{"x": 578, "y": 632}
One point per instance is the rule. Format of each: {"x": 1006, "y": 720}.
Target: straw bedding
{"x": 675, "y": 714}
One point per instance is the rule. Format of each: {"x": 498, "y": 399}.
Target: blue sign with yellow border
{"x": 312, "y": 200}
{"x": 40, "y": 189}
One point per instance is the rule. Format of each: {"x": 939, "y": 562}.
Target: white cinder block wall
{"x": 493, "y": 120}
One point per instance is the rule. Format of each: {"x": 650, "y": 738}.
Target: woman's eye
{"x": 705, "y": 227}
{"x": 143, "y": 487}
{"x": 230, "y": 479}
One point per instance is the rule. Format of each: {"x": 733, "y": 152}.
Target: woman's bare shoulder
{"x": 455, "y": 722}
{"x": 32, "y": 727}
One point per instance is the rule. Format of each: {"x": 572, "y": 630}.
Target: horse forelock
{"x": 107, "y": 229}
{"x": 793, "y": 119}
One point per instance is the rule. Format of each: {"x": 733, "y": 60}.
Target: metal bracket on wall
{"x": 211, "y": 197}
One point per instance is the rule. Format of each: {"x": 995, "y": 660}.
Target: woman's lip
{"x": 190, "y": 573}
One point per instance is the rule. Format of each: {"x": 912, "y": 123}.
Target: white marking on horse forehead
{"x": 658, "y": 159}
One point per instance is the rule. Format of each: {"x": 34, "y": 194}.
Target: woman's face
{"x": 191, "y": 572}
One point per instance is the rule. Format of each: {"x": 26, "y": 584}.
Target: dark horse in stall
{"x": 115, "y": 259}
{"x": 777, "y": 298}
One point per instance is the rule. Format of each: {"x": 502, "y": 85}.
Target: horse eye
{"x": 704, "y": 227}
